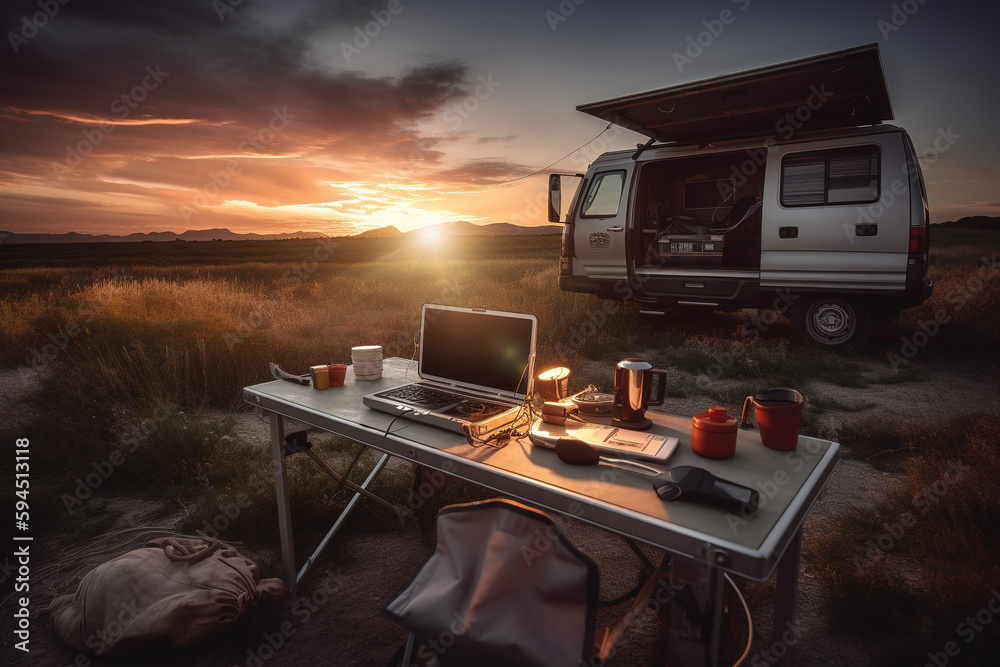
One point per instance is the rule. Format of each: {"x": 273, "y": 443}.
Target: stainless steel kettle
{"x": 633, "y": 383}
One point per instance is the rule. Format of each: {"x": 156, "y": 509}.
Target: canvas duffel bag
{"x": 178, "y": 590}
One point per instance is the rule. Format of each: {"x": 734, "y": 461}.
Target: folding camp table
{"x": 704, "y": 541}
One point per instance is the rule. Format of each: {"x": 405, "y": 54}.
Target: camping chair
{"x": 503, "y": 586}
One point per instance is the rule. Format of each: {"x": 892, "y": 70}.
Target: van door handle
{"x": 866, "y": 230}
{"x": 616, "y": 228}
{"x": 788, "y": 232}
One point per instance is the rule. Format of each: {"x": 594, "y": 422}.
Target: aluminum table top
{"x": 788, "y": 482}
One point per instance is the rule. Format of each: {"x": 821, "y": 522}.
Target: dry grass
{"x": 190, "y": 334}
{"x": 925, "y": 558}
{"x": 966, "y": 291}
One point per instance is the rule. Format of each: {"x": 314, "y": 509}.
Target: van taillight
{"x": 918, "y": 240}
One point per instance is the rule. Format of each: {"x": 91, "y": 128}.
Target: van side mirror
{"x": 555, "y": 197}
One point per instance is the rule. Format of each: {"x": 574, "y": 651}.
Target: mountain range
{"x": 459, "y": 228}
{"x": 973, "y": 222}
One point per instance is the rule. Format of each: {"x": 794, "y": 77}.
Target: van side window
{"x": 604, "y": 195}
{"x": 836, "y": 176}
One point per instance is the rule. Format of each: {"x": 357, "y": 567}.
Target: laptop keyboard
{"x": 422, "y": 396}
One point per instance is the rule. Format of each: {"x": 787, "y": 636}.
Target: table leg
{"x": 783, "y": 634}
{"x": 695, "y": 614}
{"x": 344, "y": 514}
{"x": 284, "y": 508}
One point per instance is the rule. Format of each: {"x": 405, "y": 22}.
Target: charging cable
{"x": 746, "y": 651}
{"x": 416, "y": 348}
{"x": 405, "y": 411}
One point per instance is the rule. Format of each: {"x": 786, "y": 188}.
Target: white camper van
{"x": 777, "y": 188}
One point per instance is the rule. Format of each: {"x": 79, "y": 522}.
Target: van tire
{"x": 831, "y": 322}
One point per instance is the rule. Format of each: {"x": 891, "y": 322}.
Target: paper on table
{"x": 608, "y": 439}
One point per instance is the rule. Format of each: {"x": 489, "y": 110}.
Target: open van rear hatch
{"x": 835, "y": 90}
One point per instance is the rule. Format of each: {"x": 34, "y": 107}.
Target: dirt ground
{"x": 339, "y": 622}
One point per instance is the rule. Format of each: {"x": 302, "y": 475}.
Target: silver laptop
{"x": 475, "y": 369}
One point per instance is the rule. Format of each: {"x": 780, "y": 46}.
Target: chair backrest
{"x": 503, "y": 586}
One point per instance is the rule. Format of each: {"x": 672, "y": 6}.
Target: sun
{"x": 431, "y": 237}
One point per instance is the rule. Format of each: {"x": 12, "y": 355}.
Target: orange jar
{"x": 713, "y": 433}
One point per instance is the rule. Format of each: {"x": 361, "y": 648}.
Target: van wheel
{"x": 831, "y": 322}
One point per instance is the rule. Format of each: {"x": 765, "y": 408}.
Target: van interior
{"x": 699, "y": 212}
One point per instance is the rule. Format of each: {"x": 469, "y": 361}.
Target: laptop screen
{"x": 477, "y": 348}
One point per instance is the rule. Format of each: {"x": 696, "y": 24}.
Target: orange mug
{"x": 779, "y": 416}
{"x": 337, "y": 373}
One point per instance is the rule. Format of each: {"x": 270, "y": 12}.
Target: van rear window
{"x": 835, "y": 176}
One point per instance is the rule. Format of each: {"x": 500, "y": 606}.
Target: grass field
{"x": 139, "y": 341}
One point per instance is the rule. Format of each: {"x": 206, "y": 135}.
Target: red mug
{"x": 337, "y": 372}
{"x": 779, "y": 416}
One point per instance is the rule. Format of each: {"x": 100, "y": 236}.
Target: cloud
{"x": 484, "y": 171}
{"x": 496, "y": 140}
{"x": 170, "y": 93}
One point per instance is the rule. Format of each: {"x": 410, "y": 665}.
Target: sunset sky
{"x": 274, "y": 116}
